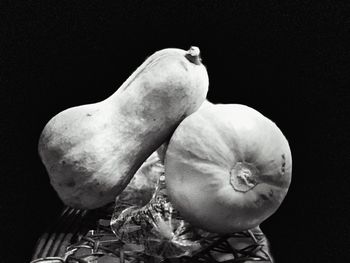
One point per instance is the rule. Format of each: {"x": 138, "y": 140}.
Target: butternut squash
{"x": 228, "y": 168}
{"x": 92, "y": 151}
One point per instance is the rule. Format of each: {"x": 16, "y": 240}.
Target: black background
{"x": 289, "y": 60}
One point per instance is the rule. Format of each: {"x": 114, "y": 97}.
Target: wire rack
{"x": 84, "y": 236}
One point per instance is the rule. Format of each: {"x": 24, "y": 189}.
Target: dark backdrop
{"x": 288, "y": 60}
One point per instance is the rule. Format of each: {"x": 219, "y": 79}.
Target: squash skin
{"x": 202, "y": 159}
{"x": 92, "y": 151}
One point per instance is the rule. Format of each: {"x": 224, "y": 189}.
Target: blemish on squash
{"x": 70, "y": 183}
{"x": 283, "y": 167}
{"x": 264, "y": 197}
{"x": 88, "y": 114}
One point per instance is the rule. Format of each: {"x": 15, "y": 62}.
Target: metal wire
{"x": 77, "y": 230}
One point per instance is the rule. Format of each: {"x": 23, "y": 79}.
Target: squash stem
{"x": 193, "y": 55}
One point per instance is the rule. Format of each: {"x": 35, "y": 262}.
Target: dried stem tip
{"x": 193, "y": 55}
{"x": 242, "y": 177}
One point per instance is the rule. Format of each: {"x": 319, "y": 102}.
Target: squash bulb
{"x": 227, "y": 167}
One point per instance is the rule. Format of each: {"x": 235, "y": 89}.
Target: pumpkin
{"x": 92, "y": 151}
{"x": 228, "y": 168}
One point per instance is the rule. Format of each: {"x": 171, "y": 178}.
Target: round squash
{"x": 92, "y": 151}
{"x": 227, "y": 168}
